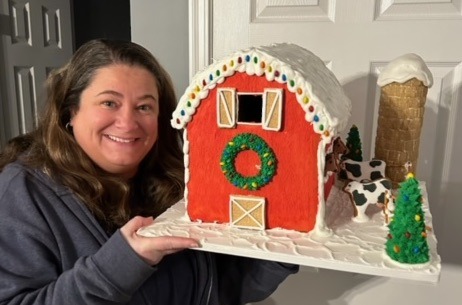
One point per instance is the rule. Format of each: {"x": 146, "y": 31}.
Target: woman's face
{"x": 116, "y": 123}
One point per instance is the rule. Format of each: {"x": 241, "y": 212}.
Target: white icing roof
{"x": 317, "y": 89}
{"x": 404, "y": 68}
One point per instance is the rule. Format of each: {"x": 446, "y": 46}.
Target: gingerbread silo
{"x": 404, "y": 84}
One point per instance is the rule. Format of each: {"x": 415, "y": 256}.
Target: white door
{"x": 36, "y": 37}
{"x": 357, "y": 38}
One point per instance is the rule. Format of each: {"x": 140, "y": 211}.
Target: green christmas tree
{"x": 354, "y": 145}
{"x": 407, "y": 238}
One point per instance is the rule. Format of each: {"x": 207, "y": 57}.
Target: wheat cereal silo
{"x": 404, "y": 84}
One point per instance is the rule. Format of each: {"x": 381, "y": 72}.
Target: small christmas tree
{"x": 407, "y": 237}
{"x": 354, "y": 145}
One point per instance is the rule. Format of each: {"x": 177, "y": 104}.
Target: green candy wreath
{"x": 242, "y": 142}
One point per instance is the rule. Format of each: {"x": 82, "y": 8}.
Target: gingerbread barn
{"x": 257, "y": 128}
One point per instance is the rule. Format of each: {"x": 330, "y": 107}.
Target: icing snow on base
{"x": 357, "y": 247}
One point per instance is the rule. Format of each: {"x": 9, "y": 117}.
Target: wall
{"x": 162, "y": 27}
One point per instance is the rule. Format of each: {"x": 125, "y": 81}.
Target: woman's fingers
{"x": 171, "y": 243}
{"x": 153, "y": 249}
{"x": 136, "y": 223}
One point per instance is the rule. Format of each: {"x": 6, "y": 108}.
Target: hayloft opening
{"x": 250, "y": 108}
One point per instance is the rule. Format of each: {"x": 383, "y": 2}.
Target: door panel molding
{"x": 39, "y": 39}
{"x": 199, "y": 35}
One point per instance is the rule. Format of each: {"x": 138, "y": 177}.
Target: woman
{"x": 101, "y": 163}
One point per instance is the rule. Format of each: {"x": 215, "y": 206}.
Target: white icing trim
{"x": 320, "y": 229}
{"x": 186, "y": 168}
{"x": 317, "y": 90}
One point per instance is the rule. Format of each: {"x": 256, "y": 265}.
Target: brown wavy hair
{"x": 52, "y": 148}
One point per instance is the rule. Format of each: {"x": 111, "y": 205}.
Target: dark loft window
{"x": 250, "y": 108}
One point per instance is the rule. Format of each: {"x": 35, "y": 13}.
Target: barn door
{"x": 36, "y": 37}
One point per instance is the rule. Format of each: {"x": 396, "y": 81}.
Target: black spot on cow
{"x": 358, "y": 198}
{"x": 381, "y": 198}
{"x": 375, "y": 163}
{"x": 354, "y": 169}
{"x": 371, "y": 187}
{"x": 386, "y": 183}
{"x": 376, "y": 175}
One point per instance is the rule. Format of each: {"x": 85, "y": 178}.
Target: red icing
{"x": 291, "y": 197}
{"x": 247, "y": 163}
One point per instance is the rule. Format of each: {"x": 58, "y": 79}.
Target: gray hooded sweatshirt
{"x": 53, "y": 251}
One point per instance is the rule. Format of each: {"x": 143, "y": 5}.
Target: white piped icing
{"x": 321, "y": 228}
{"x": 404, "y": 68}
{"x": 351, "y": 246}
{"x": 317, "y": 90}
{"x": 186, "y": 165}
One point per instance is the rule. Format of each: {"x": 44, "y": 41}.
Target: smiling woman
{"x": 116, "y": 121}
{"x": 101, "y": 164}
{"x": 94, "y": 95}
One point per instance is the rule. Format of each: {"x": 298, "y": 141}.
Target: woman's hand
{"x": 153, "y": 249}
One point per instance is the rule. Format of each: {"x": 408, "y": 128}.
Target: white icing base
{"x": 357, "y": 247}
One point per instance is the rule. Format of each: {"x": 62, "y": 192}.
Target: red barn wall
{"x": 291, "y": 197}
